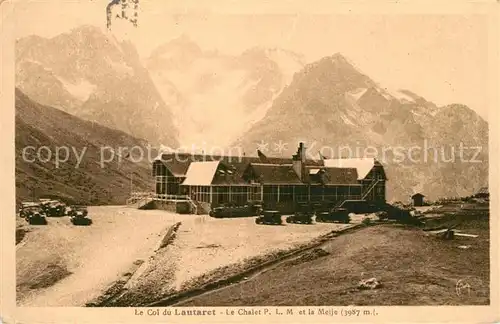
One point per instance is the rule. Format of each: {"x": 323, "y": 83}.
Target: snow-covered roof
{"x": 362, "y": 165}
{"x": 201, "y": 173}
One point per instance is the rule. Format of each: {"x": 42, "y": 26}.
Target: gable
{"x": 363, "y": 166}
{"x": 201, "y": 173}
{"x": 272, "y": 173}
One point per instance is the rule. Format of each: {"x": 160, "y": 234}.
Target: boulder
{"x": 371, "y": 283}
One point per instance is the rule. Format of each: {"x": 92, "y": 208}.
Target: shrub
{"x": 366, "y": 221}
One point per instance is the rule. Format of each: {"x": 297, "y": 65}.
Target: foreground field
{"x": 207, "y": 249}
{"x": 64, "y": 265}
{"x": 130, "y": 257}
{"x": 414, "y": 267}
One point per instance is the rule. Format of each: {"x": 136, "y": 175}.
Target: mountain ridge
{"x": 183, "y": 94}
{"x": 331, "y": 104}
{"x": 80, "y": 179}
{"x": 211, "y": 84}
{"x": 92, "y": 75}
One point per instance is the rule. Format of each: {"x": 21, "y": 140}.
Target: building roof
{"x": 341, "y": 175}
{"x": 275, "y": 173}
{"x": 178, "y": 163}
{"x": 418, "y": 194}
{"x": 222, "y": 170}
{"x": 201, "y": 173}
{"x": 363, "y": 166}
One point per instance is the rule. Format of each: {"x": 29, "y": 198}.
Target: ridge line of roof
{"x": 271, "y": 164}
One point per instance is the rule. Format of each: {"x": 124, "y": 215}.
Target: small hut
{"x": 418, "y": 199}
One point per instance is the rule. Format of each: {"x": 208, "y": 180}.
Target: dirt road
{"x": 86, "y": 258}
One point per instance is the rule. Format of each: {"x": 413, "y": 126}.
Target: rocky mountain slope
{"x": 216, "y": 97}
{"x": 90, "y": 74}
{"x": 330, "y": 104}
{"x": 39, "y": 175}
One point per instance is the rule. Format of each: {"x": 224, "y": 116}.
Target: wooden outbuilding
{"x": 418, "y": 199}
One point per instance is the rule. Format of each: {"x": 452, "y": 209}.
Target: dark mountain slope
{"x": 89, "y": 183}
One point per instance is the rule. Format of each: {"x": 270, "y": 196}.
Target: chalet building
{"x": 216, "y": 180}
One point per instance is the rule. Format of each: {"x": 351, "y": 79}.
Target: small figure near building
{"x": 418, "y": 199}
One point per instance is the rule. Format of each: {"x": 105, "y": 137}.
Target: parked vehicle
{"x": 53, "y": 208}
{"x": 34, "y": 215}
{"x": 303, "y": 214}
{"x": 230, "y": 210}
{"x": 79, "y": 215}
{"x": 340, "y": 215}
{"x": 26, "y": 207}
{"x": 269, "y": 217}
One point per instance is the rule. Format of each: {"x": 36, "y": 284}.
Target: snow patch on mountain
{"x": 33, "y": 61}
{"x": 80, "y": 90}
{"x": 401, "y": 96}
{"x": 120, "y": 67}
{"x": 216, "y": 118}
{"x": 358, "y": 93}
{"x": 219, "y": 96}
{"x": 384, "y": 93}
{"x": 289, "y": 63}
{"x": 416, "y": 113}
{"x": 347, "y": 120}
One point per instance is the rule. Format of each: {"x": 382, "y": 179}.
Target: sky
{"x": 443, "y": 58}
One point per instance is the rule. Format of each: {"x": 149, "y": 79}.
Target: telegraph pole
{"x": 131, "y": 184}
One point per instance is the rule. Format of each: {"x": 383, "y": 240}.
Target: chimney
{"x": 299, "y": 161}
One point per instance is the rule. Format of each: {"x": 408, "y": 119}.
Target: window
{"x": 301, "y": 193}
{"x": 271, "y": 193}
{"x": 255, "y": 193}
{"x": 286, "y": 193}
{"x": 316, "y": 193}
{"x": 160, "y": 185}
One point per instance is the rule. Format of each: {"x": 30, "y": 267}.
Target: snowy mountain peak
{"x": 240, "y": 87}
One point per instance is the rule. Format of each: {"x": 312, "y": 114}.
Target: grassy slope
{"x": 414, "y": 267}
{"x": 38, "y": 125}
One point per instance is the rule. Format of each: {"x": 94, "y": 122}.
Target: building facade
{"x": 217, "y": 180}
